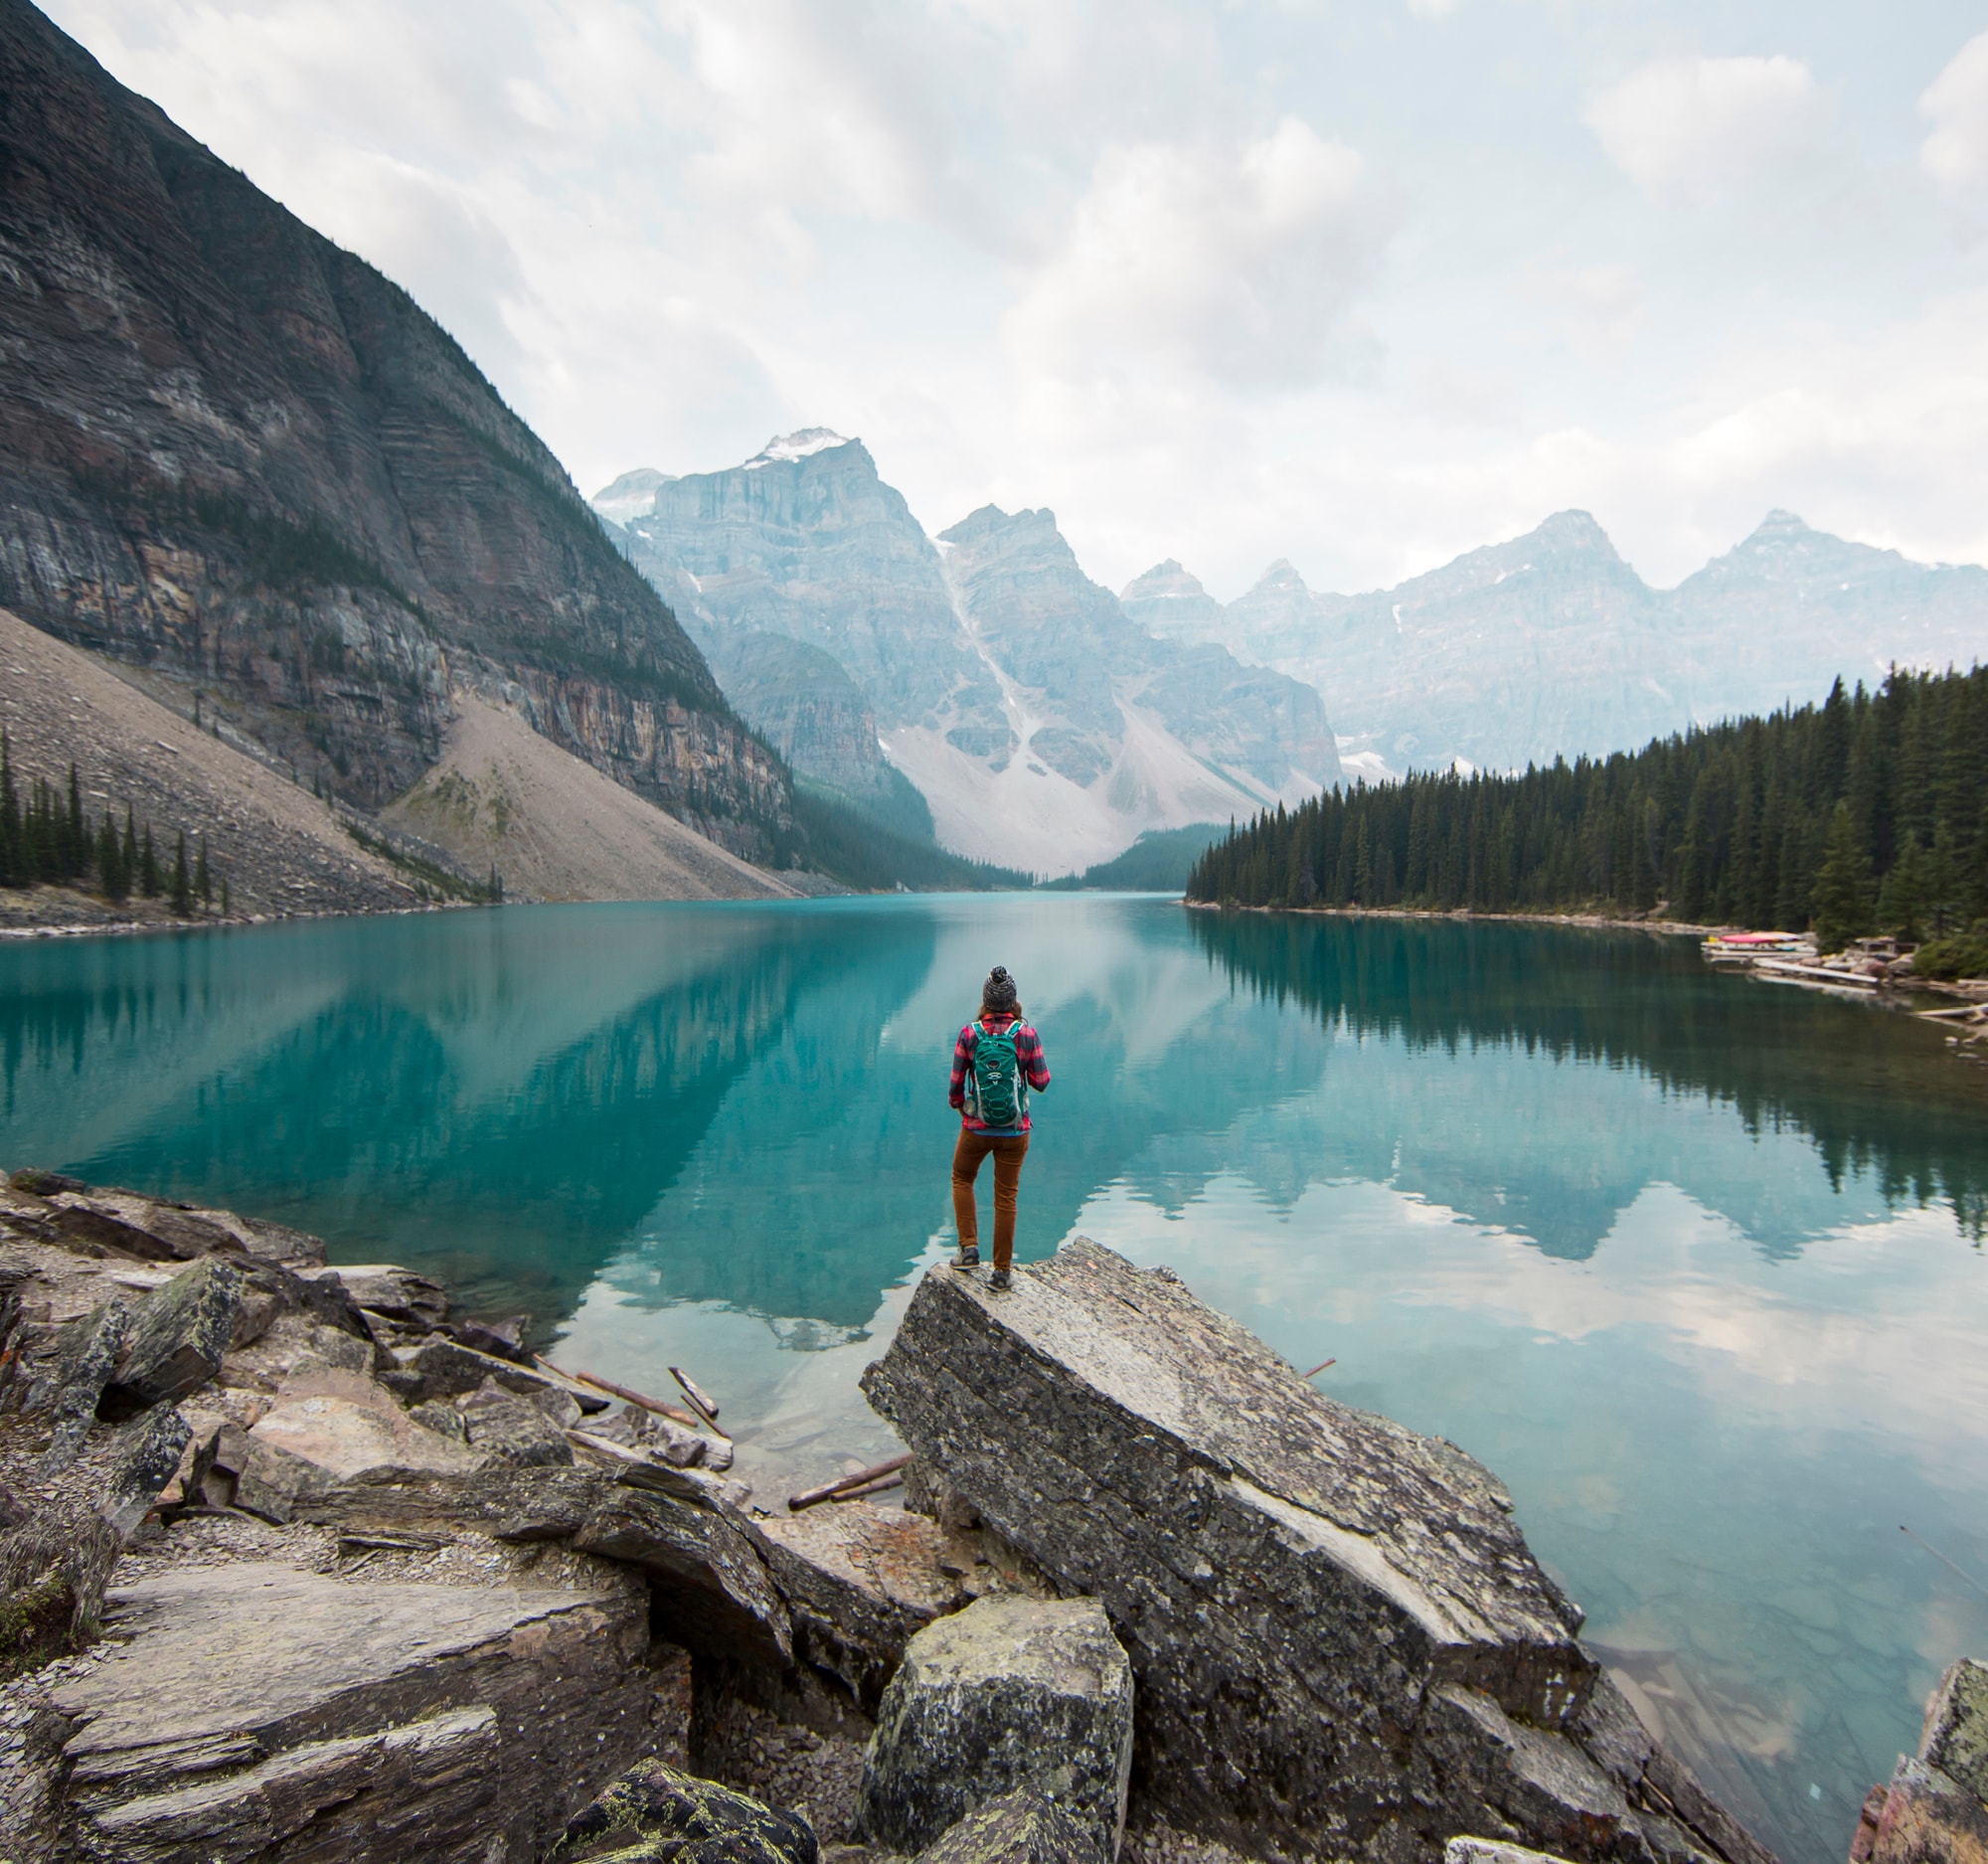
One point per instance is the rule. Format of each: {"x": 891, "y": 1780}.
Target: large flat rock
{"x": 1340, "y": 1636}
{"x": 256, "y": 1711}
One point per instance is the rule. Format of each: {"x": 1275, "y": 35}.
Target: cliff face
{"x": 234, "y": 455}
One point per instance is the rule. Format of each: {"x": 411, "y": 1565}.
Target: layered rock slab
{"x": 1011, "y": 1695}
{"x": 257, "y": 1711}
{"x": 1340, "y": 1636}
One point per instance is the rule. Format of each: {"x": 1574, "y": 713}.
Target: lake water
{"x": 1694, "y": 1263}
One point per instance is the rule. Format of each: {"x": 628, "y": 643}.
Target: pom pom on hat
{"x": 999, "y": 992}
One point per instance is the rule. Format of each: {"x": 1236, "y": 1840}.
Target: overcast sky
{"x": 1361, "y": 284}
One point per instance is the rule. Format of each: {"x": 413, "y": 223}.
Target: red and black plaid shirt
{"x": 1028, "y": 1052}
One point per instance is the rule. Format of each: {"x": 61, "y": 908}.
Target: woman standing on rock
{"x": 996, "y": 1061}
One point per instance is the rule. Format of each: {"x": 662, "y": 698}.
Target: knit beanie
{"x": 998, "y": 993}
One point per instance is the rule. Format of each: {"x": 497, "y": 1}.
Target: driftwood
{"x": 1320, "y": 1367}
{"x": 700, "y": 1400}
{"x": 675, "y": 1412}
{"x": 844, "y": 1486}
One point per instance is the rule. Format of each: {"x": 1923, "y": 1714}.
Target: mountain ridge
{"x": 1045, "y": 727}
{"x": 1551, "y": 644}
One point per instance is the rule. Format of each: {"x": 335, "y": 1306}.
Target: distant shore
{"x": 1593, "y": 920}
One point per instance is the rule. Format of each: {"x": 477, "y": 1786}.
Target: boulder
{"x": 516, "y": 1430}
{"x": 345, "y": 1422}
{"x": 178, "y": 1337}
{"x": 1934, "y": 1811}
{"x": 1493, "y": 1851}
{"x": 235, "y": 1469}
{"x": 1923, "y": 1817}
{"x": 1017, "y": 1828}
{"x": 859, "y": 1583}
{"x": 658, "y": 1815}
{"x": 144, "y": 1455}
{"x": 71, "y": 1384}
{"x": 502, "y": 1339}
{"x": 713, "y": 1593}
{"x": 254, "y": 1711}
{"x": 1012, "y": 1694}
{"x": 1341, "y": 1642}
{"x": 397, "y": 1293}
{"x": 447, "y": 1368}
{"x": 1955, "y": 1736}
{"x": 51, "y": 1590}
{"x": 95, "y": 1221}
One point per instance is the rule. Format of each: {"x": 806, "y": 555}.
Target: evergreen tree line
{"x": 1865, "y": 813}
{"x": 48, "y": 838}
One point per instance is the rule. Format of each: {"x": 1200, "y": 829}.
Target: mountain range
{"x": 1552, "y": 645}
{"x": 1044, "y": 726}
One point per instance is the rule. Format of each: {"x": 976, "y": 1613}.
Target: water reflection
{"x": 1694, "y": 1263}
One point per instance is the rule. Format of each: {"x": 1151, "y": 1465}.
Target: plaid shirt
{"x": 1028, "y": 1052}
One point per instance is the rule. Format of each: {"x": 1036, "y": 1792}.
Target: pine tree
{"x": 1906, "y": 899}
{"x": 1841, "y": 884}
{"x": 113, "y": 878}
{"x": 148, "y": 868}
{"x": 10, "y": 852}
{"x": 203, "y": 880}
{"x": 131, "y": 854}
{"x": 76, "y": 833}
{"x": 182, "y": 881}
{"x": 225, "y": 908}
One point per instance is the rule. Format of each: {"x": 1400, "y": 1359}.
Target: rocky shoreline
{"x": 295, "y": 1564}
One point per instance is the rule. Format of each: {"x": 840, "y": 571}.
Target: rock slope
{"x": 280, "y": 849}
{"x": 236, "y": 456}
{"x": 1340, "y": 1638}
{"x": 503, "y": 797}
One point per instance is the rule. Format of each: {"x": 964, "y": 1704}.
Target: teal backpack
{"x": 999, "y": 1096}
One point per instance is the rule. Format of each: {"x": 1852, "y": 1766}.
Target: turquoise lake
{"x": 1696, "y": 1265}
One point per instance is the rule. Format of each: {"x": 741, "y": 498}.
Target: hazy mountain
{"x": 1552, "y": 644}
{"x": 1168, "y": 601}
{"x": 240, "y": 458}
{"x": 1045, "y": 727}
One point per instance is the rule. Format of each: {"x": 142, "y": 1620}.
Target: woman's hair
{"x": 999, "y": 994}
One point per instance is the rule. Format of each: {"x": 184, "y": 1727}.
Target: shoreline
{"x": 288, "y": 1458}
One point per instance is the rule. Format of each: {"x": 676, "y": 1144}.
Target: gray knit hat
{"x": 999, "y": 992}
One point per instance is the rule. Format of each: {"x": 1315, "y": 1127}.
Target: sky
{"x": 1359, "y": 285}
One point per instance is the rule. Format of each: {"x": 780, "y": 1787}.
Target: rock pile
{"x": 295, "y": 1566}
{"x": 1340, "y": 1638}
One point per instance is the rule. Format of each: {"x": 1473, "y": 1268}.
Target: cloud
{"x": 1431, "y": 9}
{"x": 1955, "y": 154}
{"x": 1690, "y": 130}
{"x": 1231, "y": 262}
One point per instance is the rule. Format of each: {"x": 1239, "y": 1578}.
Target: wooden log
{"x": 835, "y": 1490}
{"x": 695, "y": 1392}
{"x": 868, "y": 1488}
{"x": 1320, "y": 1367}
{"x": 675, "y": 1412}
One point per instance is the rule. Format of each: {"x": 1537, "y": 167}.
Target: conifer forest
{"x": 1865, "y": 813}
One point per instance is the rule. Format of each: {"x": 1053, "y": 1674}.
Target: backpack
{"x": 996, "y": 1089}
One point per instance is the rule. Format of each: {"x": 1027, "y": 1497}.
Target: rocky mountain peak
{"x": 802, "y": 443}
{"x": 1170, "y": 601}
{"x": 1282, "y": 575}
{"x": 632, "y": 495}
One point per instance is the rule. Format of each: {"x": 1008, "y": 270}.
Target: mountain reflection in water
{"x": 1694, "y": 1263}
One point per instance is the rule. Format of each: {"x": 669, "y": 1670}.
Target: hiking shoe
{"x": 999, "y": 1280}
{"x": 969, "y": 1258}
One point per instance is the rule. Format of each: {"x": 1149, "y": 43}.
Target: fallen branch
{"x": 839, "y": 1489}
{"x": 1320, "y": 1367}
{"x": 868, "y": 1488}
{"x": 700, "y": 1401}
{"x": 675, "y": 1412}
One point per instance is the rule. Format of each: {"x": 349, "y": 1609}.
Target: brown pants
{"x": 966, "y": 1156}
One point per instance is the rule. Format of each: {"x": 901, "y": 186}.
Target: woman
{"x": 997, "y": 1060}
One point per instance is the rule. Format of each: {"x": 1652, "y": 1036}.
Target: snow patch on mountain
{"x": 796, "y": 445}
